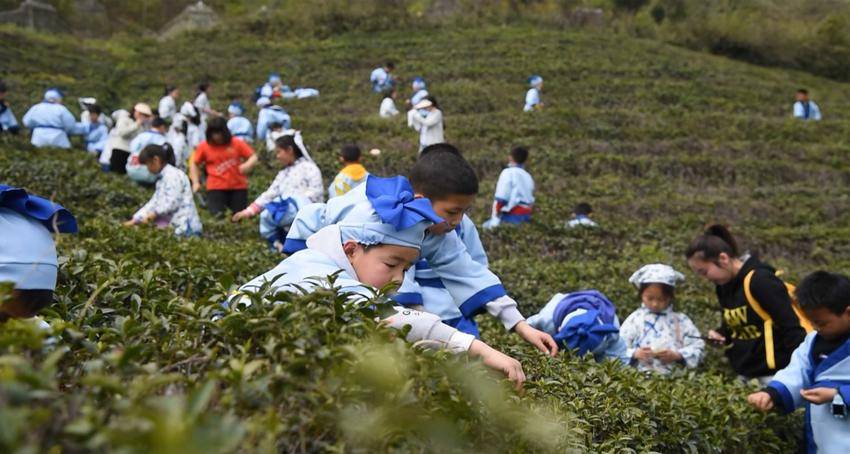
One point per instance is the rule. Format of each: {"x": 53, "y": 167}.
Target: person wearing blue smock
{"x": 382, "y": 79}
{"x": 94, "y": 132}
{"x": 137, "y": 171}
{"x": 804, "y": 108}
{"x": 238, "y": 125}
{"x": 27, "y": 252}
{"x": 269, "y": 114}
{"x": 585, "y": 322}
{"x": 532, "y": 97}
{"x": 8, "y": 122}
{"x": 420, "y": 92}
{"x": 50, "y": 121}
{"x": 514, "y": 198}
{"x": 273, "y": 88}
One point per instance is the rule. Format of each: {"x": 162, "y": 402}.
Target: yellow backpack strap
{"x": 768, "y": 322}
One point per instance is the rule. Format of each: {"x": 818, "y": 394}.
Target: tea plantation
{"x": 660, "y": 140}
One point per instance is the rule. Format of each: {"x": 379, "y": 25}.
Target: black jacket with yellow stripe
{"x": 744, "y": 328}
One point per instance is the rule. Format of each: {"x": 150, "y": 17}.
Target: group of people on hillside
{"x": 413, "y": 231}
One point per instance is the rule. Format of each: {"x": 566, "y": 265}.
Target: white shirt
{"x": 388, "y": 108}
{"x": 430, "y": 128}
{"x": 167, "y": 107}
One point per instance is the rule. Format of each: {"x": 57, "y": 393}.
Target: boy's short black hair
{"x": 583, "y": 208}
{"x": 94, "y": 108}
{"x": 824, "y": 289}
{"x": 441, "y": 172}
{"x": 389, "y": 64}
{"x": 158, "y": 123}
{"x": 350, "y": 153}
{"x": 802, "y": 91}
{"x": 519, "y": 155}
{"x": 275, "y": 125}
{"x": 667, "y": 290}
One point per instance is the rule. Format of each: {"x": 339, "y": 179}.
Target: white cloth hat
{"x": 424, "y": 104}
{"x": 656, "y": 273}
{"x": 143, "y": 109}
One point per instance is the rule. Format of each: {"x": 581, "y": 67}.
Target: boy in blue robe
{"x": 382, "y": 78}
{"x": 137, "y": 171}
{"x": 370, "y": 253}
{"x": 50, "y": 121}
{"x": 474, "y": 289}
{"x": 268, "y": 115}
{"x": 818, "y": 376}
{"x": 238, "y": 125}
{"x": 94, "y": 132}
{"x": 532, "y": 96}
{"x": 27, "y": 252}
{"x": 8, "y": 122}
{"x": 514, "y": 198}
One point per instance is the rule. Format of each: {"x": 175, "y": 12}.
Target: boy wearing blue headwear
{"x": 8, "y": 122}
{"x": 818, "y": 375}
{"x": 27, "y": 251}
{"x": 238, "y": 125}
{"x": 514, "y": 199}
{"x": 473, "y": 288}
{"x": 270, "y": 114}
{"x": 584, "y": 321}
{"x": 272, "y": 88}
{"x": 371, "y": 253}
{"x": 420, "y": 92}
{"x": 532, "y": 97}
{"x": 50, "y": 121}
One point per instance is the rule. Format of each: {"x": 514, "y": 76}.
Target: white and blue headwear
{"x": 584, "y": 319}
{"x": 235, "y": 108}
{"x": 656, "y": 273}
{"x": 27, "y": 252}
{"x": 535, "y": 80}
{"x": 263, "y": 101}
{"x": 274, "y": 78}
{"x": 418, "y": 84}
{"x": 53, "y": 94}
{"x": 396, "y": 216}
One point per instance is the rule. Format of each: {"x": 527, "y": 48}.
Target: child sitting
{"x": 388, "y": 108}
{"x": 372, "y": 253}
{"x": 581, "y": 216}
{"x": 804, "y": 108}
{"x": 352, "y": 174}
{"x": 172, "y": 203}
{"x": 473, "y": 288}
{"x": 153, "y": 136}
{"x": 584, "y": 321}
{"x": 656, "y": 336}
{"x": 93, "y": 130}
{"x": 27, "y": 252}
{"x": 514, "y": 192}
{"x": 238, "y": 125}
{"x": 818, "y": 376}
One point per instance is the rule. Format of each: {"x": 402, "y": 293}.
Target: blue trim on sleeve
{"x": 292, "y": 245}
{"x": 430, "y": 282}
{"x": 837, "y": 355}
{"x": 475, "y": 304}
{"x": 844, "y": 390}
{"x": 787, "y": 403}
{"x": 809, "y": 435}
{"x": 502, "y": 201}
{"x": 408, "y": 299}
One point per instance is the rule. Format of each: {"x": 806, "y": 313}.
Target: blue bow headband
{"x": 394, "y": 203}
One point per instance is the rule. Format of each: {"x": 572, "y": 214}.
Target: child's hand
{"x": 537, "y": 338}
{"x": 196, "y": 186}
{"x": 643, "y": 354}
{"x": 819, "y": 395}
{"x": 716, "y": 337}
{"x": 129, "y": 223}
{"x": 239, "y": 215}
{"x": 245, "y": 168}
{"x": 668, "y": 356}
{"x": 761, "y": 400}
{"x": 499, "y": 361}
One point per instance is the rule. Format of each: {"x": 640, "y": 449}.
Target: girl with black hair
{"x": 430, "y": 126}
{"x": 168, "y": 102}
{"x": 172, "y": 204}
{"x": 759, "y": 323}
{"x": 202, "y": 103}
{"x": 227, "y": 161}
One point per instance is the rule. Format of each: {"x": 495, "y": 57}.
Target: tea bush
{"x": 659, "y": 139}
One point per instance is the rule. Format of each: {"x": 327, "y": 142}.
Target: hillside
{"x": 659, "y": 139}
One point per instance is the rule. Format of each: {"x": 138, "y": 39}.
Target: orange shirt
{"x": 222, "y": 164}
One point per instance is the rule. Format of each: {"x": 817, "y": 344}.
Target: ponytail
{"x": 164, "y": 152}
{"x": 716, "y": 239}
{"x": 288, "y": 141}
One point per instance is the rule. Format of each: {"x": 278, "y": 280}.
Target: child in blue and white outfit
{"x": 173, "y": 203}
{"x": 804, "y": 108}
{"x": 371, "y": 252}
{"x": 270, "y": 114}
{"x": 137, "y": 171}
{"x": 27, "y": 252}
{"x": 514, "y": 199}
{"x": 581, "y": 216}
{"x": 238, "y": 125}
{"x": 94, "y": 132}
{"x": 382, "y": 79}
{"x": 532, "y": 97}
{"x": 50, "y": 121}
{"x": 473, "y": 287}
{"x": 584, "y": 321}
{"x": 8, "y": 122}
{"x": 420, "y": 92}
{"x": 818, "y": 376}
{"x": 657, "y": 337}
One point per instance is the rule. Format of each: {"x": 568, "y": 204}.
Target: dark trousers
{"x": 219, "y": 199}
{"x": 118, "y": 161}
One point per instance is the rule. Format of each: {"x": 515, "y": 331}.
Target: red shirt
{"x": 222, "y": 164}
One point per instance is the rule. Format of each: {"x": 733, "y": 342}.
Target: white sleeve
{"x": 429, "y": 327}
{"x": 505, "y": 309}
